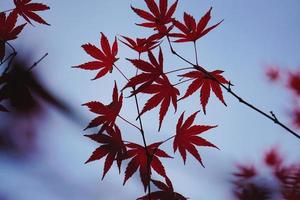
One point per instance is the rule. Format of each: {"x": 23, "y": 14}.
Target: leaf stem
{"x": 37, "y": 62}
{"x": 5, "y": 11}
{"x": 196, "y": 53}
{"x": 176, "y": 70}
{"x": 141, "y": 129}
{"x": 128, "y": 122}
{"x": 121, "y": 72}
{"x": 180, "y": 82}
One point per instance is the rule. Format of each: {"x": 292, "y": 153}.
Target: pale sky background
{"x": 254, "y": 34}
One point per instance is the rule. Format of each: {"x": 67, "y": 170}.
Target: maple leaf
{"x": 151, "y": 71}
{"x": 27, "y": 10}
{"x": 163, "y": 92}
{"x": 158, "y": 17}
{"x": 112, "y": 146}
{"x": 139, "y": 160}
{"x": 8, "y": 30}
{"x": 140, "y": 45}
{"x": 203, "y": 81}
{"x": 186, "y": 137}
{"x": 107, "y": 113}
{"x": 166, "y": 192}
{"x": 190, "y": 30}
{"x": 105, "y": 58}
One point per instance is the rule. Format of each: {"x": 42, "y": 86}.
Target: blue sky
{"x": 254, "y": 34}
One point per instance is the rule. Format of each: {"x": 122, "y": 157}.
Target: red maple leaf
{"x": 163, "y": 92}
{"x": 27, "y": 10}
{"x": 107, "y": 113}
{"x": 294, "y": 82}
{"x": 166, "y": 192}
{"x": 8, "y": 30}
{"x": 139, "y": 159}
{"x": 151, "y": 71}
{"x": 140, "y": 45}
{"x": 203, "y": 81}
{"x": 105, "y": 59}
{"x": 158, "y": 17}
{"x": 186, "y": 137}
{"x": 112, "y": 146}
{"x": 192, "y": 31}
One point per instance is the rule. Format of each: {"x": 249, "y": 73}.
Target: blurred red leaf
{"x": 294, "y": 82}
{"x": 273, "y": 74}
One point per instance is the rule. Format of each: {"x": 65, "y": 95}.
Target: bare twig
{"x": 37, "y": 62}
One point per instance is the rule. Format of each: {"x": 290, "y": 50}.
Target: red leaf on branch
{"x": 166, "y": 192}
{"x": 163, "y": 92}
{"x": 201, "y": 80}
{"x": 8, "y": 30}
{"x": 192, "y": 31}
{"x": 107, "y": 113}
{"x": 151, "y": 71}
{"x": 105, "y": 58}
{"x": 186, "y": 137}
{"x": 27, "y": 10}
{"x": 112, "y": 146}
{"x": 140, "y": 45}
{"x": 158, "y": 17}
{"x": 139, "y": 159}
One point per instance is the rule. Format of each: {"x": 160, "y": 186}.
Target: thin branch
{"x": 180, "y": 82}
{"x": 196, "y": 53}
{"x": 141, "y": 129}
{"x": 7, "y": 58}
{"x": 230, "y": 91}
{"x": 14, "y": 54}
{"x": 128, "y": 122}
{"x": 176, "y": 70}
{"x": 37, "y": 62}
{"x": 5, "y": 11}
{"x": 121, "y": 72}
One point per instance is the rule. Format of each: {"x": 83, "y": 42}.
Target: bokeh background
{"x": 255, "y": 34}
